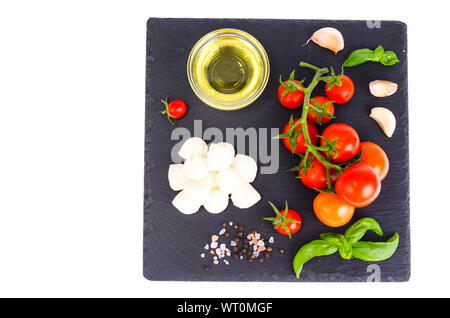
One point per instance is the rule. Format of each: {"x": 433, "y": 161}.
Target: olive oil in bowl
{"x": 228, "y": 69}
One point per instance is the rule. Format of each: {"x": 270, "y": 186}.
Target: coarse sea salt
{"x": 257, "y": 236}
{"x": 214, "y": 244}
{"x": 222, "y": 231}
{"x": 202, "y": 255}
{"x": 206, "y": 247}
{"x": 233, "y": 243}
{"x": 271, "y": 239}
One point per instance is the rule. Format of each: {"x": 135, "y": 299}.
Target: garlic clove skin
{"x": 382, "y": 88}
{"x": 329, "y": 38}
{"x": 385, "y": 118}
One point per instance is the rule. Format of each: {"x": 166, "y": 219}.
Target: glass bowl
{"x": 228, "y": 69}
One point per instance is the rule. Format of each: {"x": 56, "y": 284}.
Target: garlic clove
{"x": 382, "y": 88}
{"x": 329, "y": 38}
{"x": 385, "y": 118}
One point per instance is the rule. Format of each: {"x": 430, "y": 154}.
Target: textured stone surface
{"x": 173, "y": 242}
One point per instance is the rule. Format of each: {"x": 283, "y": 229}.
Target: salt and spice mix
{"x": 252, "y": 245}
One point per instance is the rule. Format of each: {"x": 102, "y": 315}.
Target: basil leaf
{"x": 375, "y": 251}
{"x": 355, "y": 232}
{"x": 311, "y": 250}
{"x": 358, "y": 57}
{"x": 378, "y": 52}
{"x": 389, "y": 58}
{"x": 332, "y": 238}
{"x": 361, "y": 56}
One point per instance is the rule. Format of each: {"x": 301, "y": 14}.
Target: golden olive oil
{"x": 228, "y": 72}
{"x": 229, "y": 69}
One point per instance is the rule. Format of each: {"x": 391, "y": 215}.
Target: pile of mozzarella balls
{"x": 209, "y": 176}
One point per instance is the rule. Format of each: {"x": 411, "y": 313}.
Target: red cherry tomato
{"x": 343, "y": 93}
{"x": 347, "y": 145}
{"x": 375, "y": 157}
{"x": 316, "y": 175}
{"x": 312, "y": 116}
{"x": 286, "y": 222}
{"x": 293, "y": 98}
{"x": 358, "y": 185}
{"x": 175, "y": 109}
{"x": 300, "y": 139}
{"x": 331, "y": 210}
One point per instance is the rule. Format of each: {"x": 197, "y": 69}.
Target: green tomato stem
{"x": 310, "y": 148}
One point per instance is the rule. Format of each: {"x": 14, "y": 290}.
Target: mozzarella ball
{"x": 229, "y": 180}
{"x": 217, "y": 202}
{"x": 220, "y": 156}
{"x": 177, "y": 179}
{"x": 193, "y": 146}
{"x": 198, "y": 192}
{"x": 195, "y": 168}
{"x": 211, "y": 180}
{"x": 182, "y": 203}
{"x": 246, "y": 167}
{"x": 245, "y": 197}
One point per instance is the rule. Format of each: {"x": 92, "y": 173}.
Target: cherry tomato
{"x": 312, "y": 116}
{"x": 300, "y": 140}
{"x": 316, "y": 175}
{"x": 175, "y": 109}
{"x": 293, "y": 98}
{"x": 331, "y": 210}
{"x": 343, "y": 93}
{"x": 358, "y": 185}
{"x": 375, "y": 157}
{"x": 286, "y": 222}
{"x": 347, "y": 145}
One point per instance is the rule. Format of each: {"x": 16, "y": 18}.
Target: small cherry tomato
{"x": 314, "y": 117}
{"x": 375, "y": 157}
{"x": 316, "y": 175}
{"x": 359, "y": 185}
{"x": 340, "y": 94}
{"x": 331, "y": 210}
{"x": 347, "y": 145}
{"x": 175, "y": 109}
{"x": 296, "y": 136}
{"x": 286, "y": 222}
{"x": 288, "y": 93}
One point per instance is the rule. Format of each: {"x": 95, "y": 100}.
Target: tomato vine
{"x": 311, "y": 149}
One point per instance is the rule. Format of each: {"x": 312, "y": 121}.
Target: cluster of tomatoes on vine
{"x": 349, "y": 172}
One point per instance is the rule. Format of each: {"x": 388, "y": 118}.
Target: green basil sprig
{"x": 348, "y": 245}
{"x": 361, "y": 56}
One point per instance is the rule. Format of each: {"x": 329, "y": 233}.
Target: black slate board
{"x": 173, "y": 241}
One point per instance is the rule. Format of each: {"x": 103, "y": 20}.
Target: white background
{"x": 72, "y": 76}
